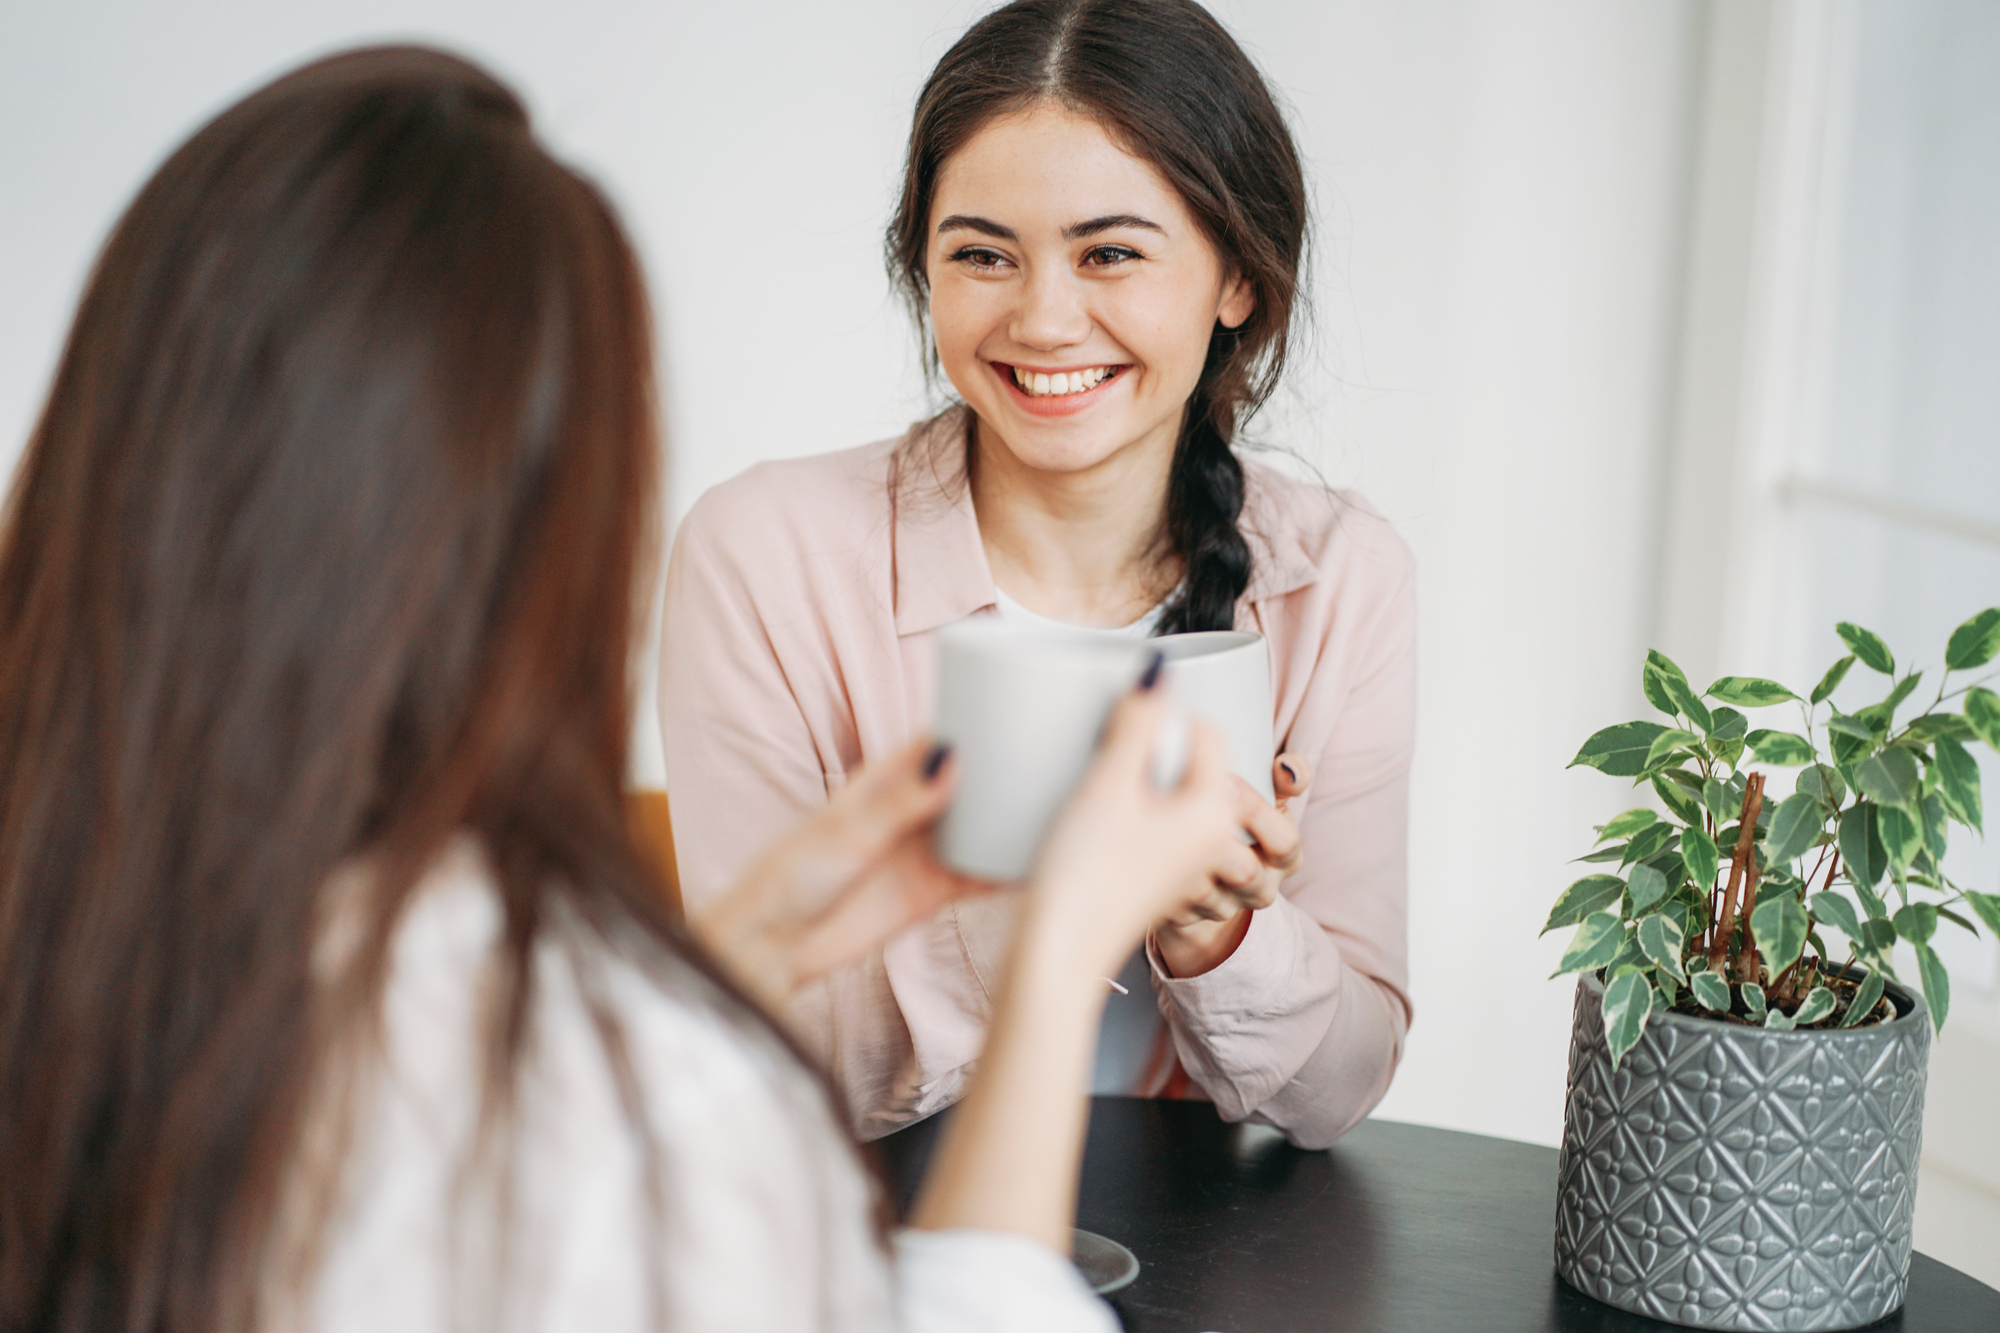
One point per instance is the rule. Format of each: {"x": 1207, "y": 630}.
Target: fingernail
{"x": 935, "y": 760}
{"x": 1290, "y": 772}
{"x": 1151, "y": 676}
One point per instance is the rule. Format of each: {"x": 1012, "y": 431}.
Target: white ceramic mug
{"x": 1223, "y": 677}
{"x": 1022, "y": 710}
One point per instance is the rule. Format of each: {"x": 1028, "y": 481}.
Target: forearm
{"x": 1009, "y": 1157}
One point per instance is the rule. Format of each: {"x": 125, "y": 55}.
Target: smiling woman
{"x": 1099, "y": 235}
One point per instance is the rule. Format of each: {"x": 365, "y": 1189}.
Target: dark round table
{"x": 1396, "y": 1229}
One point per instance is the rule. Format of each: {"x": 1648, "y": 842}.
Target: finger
{"x": 908, "y": 886}
{"x": 886, "y": 801}
{"x": 1277, "y": 837}
{"x": 1236, "y": 867}
{"x": 1126, "y": 748}
{"x": 1290, "y": 775}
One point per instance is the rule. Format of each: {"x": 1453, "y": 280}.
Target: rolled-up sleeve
{"x": 1302, "y": 1026}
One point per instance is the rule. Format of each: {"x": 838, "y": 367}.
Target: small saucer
{"x": 1105, "y": 1264}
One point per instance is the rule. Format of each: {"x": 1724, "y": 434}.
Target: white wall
{"x": 1500, "y": 184}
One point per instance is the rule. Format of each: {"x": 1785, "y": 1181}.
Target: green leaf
{"x": 1831, "y": 680}
{"x": 1620, "y": 750}
{"x": 1753, "y": 999}
{"x": 1667, "y": 742}
{"x": 1861, "y": 846}
{"x": 1677, "y": 798}
{"x": 1936, "y": 834}
{"x": 1937, "y": 985}
{"x": 1781, "y": 749}
{"x": 1837, "y": 912}
{"x": 1946, "y": 914}
{"x": 1780, "y": 928}
{"x": 1628, "y": 1003}
{"x": 1779, "y": 1021}
{"x": 1650, "y": 843}
{"x": 1975, "y": 643}
{"x": 1690, "y": 703}
{"x": 1823, "y": 782}
{"x": 1794, "y": 828}
{"x": 1987, "y": 905}
{"x": 1615, "y": 852}
{"x": 1596, "y": 943}
{"x": 1854, "y": 727}
{"x": 1711, "y": 991}
{"x": 1902, "y": 839}
{"x": 1890, "y": 777}
{"x": 1982, "y": 711}
{"x": 1903, "y": 689}
{"x": 1592, "y": 893}
{"x": 1715, "y": 795}
{"x": 1661, "y": 938}
{"x": 1648, "y": 887}
{"x": 1699, "y": 854}
{"x": 1730, "y": 725}
{"x": 1625, "y": 825}
{"x": 1958, "y": 782}
{"x": 1749, "y": 691}
{"x": 1654, "y": 682}
{"x": 1866, "y": 997}
{"x": 1916, "y": 922}
{"x": 1877, "y": 935}
{"x": 1867, "y": 646}
{"x": 1818, "y": 1004}
{"x": 1932, "y": 726}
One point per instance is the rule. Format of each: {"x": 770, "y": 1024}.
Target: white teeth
{"x": 1062, "y": 382}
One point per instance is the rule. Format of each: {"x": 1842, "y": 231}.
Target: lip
{"x": 1053, "y": 405}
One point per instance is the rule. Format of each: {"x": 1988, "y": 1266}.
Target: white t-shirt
{"x": 762, "y": 1215}
{"x": 1132, "y": 1039}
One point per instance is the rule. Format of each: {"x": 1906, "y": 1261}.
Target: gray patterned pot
{"x": 1740, "y": 1178}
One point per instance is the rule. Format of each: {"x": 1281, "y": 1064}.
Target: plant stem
{"x": 1745, "y": 853}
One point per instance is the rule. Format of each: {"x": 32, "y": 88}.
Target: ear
{"x": 1238, "y": 303}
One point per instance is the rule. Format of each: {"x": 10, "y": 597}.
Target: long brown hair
{"x": 324, "y": 548}
{"x": 1172, "y": 86}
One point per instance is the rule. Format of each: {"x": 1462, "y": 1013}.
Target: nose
{"x": 1052, "y": 313}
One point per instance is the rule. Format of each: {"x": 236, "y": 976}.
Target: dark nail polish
{"x": 1290, "y": 772}
{"x": 935, "y": 760}
{"x": 1151, "y": 676}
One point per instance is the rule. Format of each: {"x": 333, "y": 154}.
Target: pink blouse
{"x": 802, "y": 600}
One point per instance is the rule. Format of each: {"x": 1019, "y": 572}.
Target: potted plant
{"x": 1745, "y": 1098}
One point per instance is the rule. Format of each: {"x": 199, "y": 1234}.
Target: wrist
{"x": 1199, "y": 946}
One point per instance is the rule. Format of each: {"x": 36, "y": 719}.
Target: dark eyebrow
{"x": 1112, "y": 223}
{"x": 960, "y": 222}
{"x": 1076, "y": 232}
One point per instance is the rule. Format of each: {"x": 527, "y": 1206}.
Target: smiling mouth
{"x": 1060, "y": 384}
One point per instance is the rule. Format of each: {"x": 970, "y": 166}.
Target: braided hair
{"x": 1170, "y": 84}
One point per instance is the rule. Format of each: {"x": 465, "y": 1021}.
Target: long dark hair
{"x": 1170, "y": 84}
{"x": 324, "y": 548}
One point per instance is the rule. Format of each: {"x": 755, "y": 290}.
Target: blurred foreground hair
{"x": 323, "y": 550}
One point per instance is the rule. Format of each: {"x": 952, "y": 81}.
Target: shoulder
{"x": 1336, "y": 534}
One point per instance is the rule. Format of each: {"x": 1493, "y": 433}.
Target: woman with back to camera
{"x": 333, "y": 991}
{"x": 1101, "y": 229}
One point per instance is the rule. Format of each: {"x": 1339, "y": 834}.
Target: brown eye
{"x": 1108, "y": 256}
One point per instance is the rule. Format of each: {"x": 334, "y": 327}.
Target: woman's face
{"x": 1072, "y": 293}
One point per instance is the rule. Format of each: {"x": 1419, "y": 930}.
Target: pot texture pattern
{"x": 1733, "y": 1177}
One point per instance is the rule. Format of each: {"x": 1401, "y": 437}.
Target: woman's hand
{"x": 1242, "y": 878}
{"x": 846, "y": 879}
{"x": 1123, "y": 852}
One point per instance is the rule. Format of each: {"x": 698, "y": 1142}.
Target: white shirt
{"x": 763, "y": 1218}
